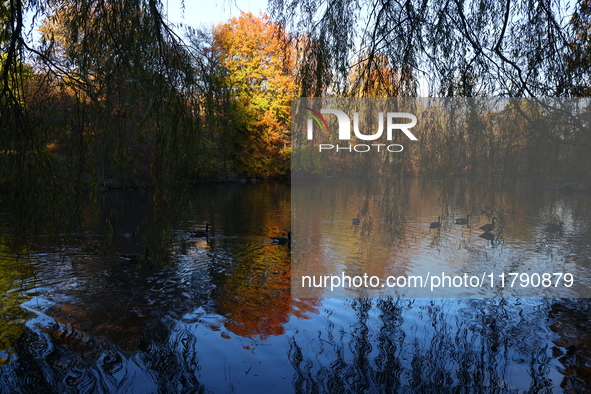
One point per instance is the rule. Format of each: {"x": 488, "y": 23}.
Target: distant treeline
{"x": 547, "y": 139}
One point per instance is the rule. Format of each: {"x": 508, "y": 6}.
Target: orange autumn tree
{"x": 374, "y": 75}
{"x": 260, "y": 64}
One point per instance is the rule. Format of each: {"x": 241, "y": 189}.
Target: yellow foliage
{"x": 260, "y": 61}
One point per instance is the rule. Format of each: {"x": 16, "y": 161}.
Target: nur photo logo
{"x": 344, "y": 130}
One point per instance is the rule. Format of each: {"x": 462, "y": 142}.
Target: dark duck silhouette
{"x": 282, "y": 240}
{"x": 489, "y": 226}
{"x": 201, "y": 233}
{"x": 463, "y": 221}
{"x": 436, "y": 224}
{"x": 129, "y": 235}
{"x": 488, "y": 236}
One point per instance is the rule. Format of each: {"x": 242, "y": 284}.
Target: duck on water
{"x": 282, "y": 240}
{"x": 436, "y": 224}
{"x": 489, "y": 226}
{"x": 201, "y": 233}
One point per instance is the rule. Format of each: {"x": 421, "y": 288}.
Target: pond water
{"x": 106, "y": 311}
{"x": 387, "y": 230}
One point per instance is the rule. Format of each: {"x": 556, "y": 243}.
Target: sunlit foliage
{"x": 260, "y": 65}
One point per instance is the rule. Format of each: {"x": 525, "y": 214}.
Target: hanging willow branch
{"x": 512, "y": 48}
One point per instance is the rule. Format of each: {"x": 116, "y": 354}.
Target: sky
{"x": 210, "y": 12}
{"x": 197, "y": 13}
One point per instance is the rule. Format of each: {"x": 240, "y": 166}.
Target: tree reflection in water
{"x": 351, "y": 345}
{"x": 441, "y": 346}
{"x": 220, "y": 316}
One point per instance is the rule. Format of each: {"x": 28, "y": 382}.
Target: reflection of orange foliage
{"x": 257, "y": 300}
{"x": 83, "y": 325}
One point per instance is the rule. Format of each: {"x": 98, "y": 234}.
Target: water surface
{"x": 217, "y": 314}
